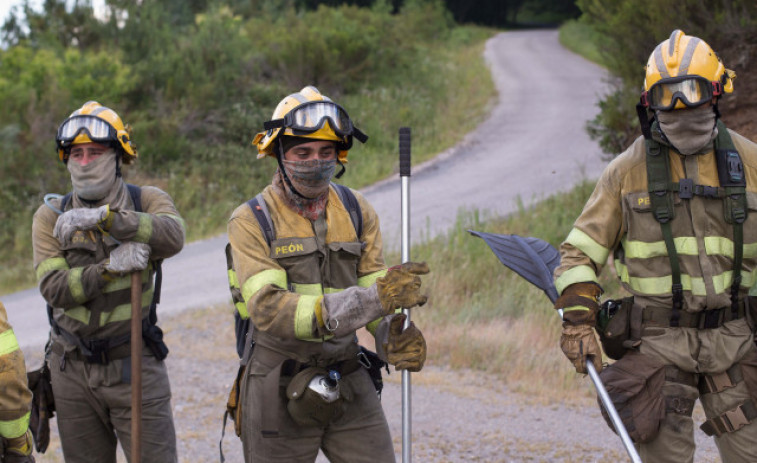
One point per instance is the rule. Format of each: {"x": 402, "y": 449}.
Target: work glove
{"x": 82, "y": 218}
{"x": 18, "y": 449}
{"x": 580, "y": 304}
{"x": 342, "y": 313}
{"x": 406, "y": 350}
{"x": 128, "y": 257}
{"x": 400, "y": 287}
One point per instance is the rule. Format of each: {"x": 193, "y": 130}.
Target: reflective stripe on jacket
{"x": 282, "y": 284}
{"x": 618, "y": 219}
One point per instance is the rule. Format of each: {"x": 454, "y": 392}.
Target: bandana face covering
{"x": 310, "y": 178}
{"x": 93, "y": 181}
{"x": 690, "y": 131}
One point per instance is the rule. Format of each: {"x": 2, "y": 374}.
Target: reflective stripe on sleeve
{"x": 588, "y": 246}
{"x": 48, "y": 265}
{"x": 303, "y": 318}
{"x": 267, "y": 277}
{"x": 15, "y": 428}
{"x": 578, "y": 274}
{"x": 8, "y": 342}
{"x": 371, "y": 327}
{"x": 80, "y": 314}
{"x": 75, "y": 285}
{"x": 368, "y": 280}
{"x": 144, "y": 229}
{"x": 178, "y": 219}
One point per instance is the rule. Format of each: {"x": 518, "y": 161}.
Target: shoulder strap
{"x": 353, "y": 207}
{"x": 136, "y": 196}
{"x": 260, "y": 210}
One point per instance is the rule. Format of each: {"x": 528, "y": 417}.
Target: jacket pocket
{"x": 344, "y": 258}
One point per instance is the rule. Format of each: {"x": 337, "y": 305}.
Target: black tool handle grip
{"x": 404, "y": 151}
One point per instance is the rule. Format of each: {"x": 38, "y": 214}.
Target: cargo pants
{"x": 360, "y": 435}
{"x": 711, "y": 352}
{"x": 93, "y": 404}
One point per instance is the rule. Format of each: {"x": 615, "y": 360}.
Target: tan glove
{"x": 400, "y": 287}
{"x": 130, "y": 256}
{"x": 82, "y": 218}
{"x": 18, "y": 449}
{"x": 580, "y": 304}
{"x": 406, "y": 350}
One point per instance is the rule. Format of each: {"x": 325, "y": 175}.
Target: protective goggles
{"x": 310, "y": 117}
{"x": 692, "y": 91}
{"x": 98, "y": 130}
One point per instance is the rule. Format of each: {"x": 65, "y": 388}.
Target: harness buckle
{"x": 98, "y": 351}
{"x": 711, "y": 319}
{"x": 363, "y": 360}
{"x": 686, "y": 188}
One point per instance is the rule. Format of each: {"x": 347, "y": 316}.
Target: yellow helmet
{"x": 95, "y": 123}
{"x": 683, "y": 71}
{"x": 309, "y": 114}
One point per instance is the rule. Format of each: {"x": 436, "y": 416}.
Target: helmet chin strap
{"x": 282, "y": 171}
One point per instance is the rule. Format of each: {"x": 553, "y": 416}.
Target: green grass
{"x": 484, "y": 316}
{"x": 581, "y": 38}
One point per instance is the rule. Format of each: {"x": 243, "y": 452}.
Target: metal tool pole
{"x": 136, "y": 367}
{"x": 404, "y": 148}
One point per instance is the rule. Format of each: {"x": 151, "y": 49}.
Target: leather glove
{"x": 82, "y": 218}
{"x": 43, "y": 406}
{"x": 18, "y": 449}
{"x": 406, "y": 350}
{"x": 400, "y": 287}
{"x": 580, "y": 304}
{"x": 128, "y": 257}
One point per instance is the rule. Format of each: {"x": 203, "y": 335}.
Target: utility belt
{"x": 705, "y": 320}
{"x": 103, "y": 351}
{"x": 344, "y": 367}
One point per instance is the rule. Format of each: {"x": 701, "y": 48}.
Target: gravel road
{"x": 532, "y": 145}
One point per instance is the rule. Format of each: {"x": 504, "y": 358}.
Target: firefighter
{"x": 677, "y": 212}
{"x": 15, "y": 399}
{"x": 86, "y": 245}
{"x": 307, "y": 290}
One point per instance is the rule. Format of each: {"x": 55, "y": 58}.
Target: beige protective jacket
{"x": 282, "y": 284}
{"x": 71, "y": 277}
{"x": 618, "y": 219}
{"x": 15, "y": 396}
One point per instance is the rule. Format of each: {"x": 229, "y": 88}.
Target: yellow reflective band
{"x": 8, "y": 342}
{"x": 368, "y": 280}
{"x": 75, "y": 285}
{"x": 242, "y": 309}
{"x": 574, "y": 308}
{"x": 124, "y": 282}
{"x": 48, "y": 265}
{"x": 266, "y": 277}
{"x": 724, "y": 281}
{"x": 15, "y": 428}
{"x": 123, "y": 312}
{"x": 307, "y": 289}
{"x": 303, "y": 317}
{"x": 80, "y": 314}
{"x": 371, "y": 327}
{"x": 685, "y": 246}
{"x": 233, "y": 282}
{"x": 660, "y": 286}
{"x": 144, "y": 230}
{"x": 178, "y": 219}
{"x": 588, "y": 246}
{"x": 332, "y": 290}
{"x": 578, "y": 274}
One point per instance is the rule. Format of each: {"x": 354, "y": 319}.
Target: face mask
{"x": 93, "y": 181}
{"x": 310, "y": 178}
{"x": 690, "y": 131}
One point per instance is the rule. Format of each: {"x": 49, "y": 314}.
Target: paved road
{"x": 533, "y": 144}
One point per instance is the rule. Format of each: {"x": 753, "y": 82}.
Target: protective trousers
{"x": 360, "y": 435}
{"x": 93, "y": 402}
{"x": 708, "y": 352}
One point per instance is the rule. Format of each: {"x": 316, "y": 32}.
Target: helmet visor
{"x": 692, "y": 91}
{"x": 311, "y": 116}
{"x": 97, "y": 129}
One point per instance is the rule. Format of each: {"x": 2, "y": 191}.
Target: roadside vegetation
{"x": 196, "y": 80}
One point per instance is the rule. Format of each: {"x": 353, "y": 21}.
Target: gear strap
{"x": 732, "y": 190}
{"x": 730, "y": 421}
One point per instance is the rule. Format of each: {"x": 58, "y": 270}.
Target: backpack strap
{"x": 260, "y": 210}
{"x": 353, "y": 207}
